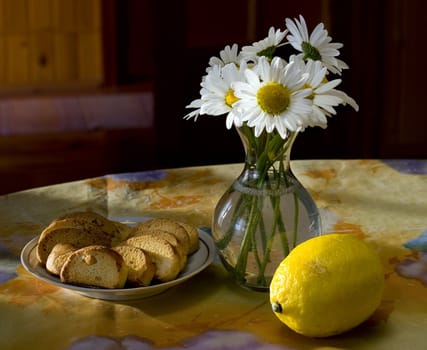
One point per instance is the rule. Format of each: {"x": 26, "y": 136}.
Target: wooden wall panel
{"x": 40, "y": 15}
{"x": 225, "y": 25}
{"x": 51, "y": 42}
{"x": 40, "y": 61}
{"x": 64, "y": 15}
{"x": 404, "y": 119}
{"x": 272, "y": 13}
{"x": 65, "y": 50}
{"x": 382, "y": 46}
{"x": 3, "y": 60}
{"x": 89, "y": 15}
{"x": 17, "y": 54}
{"x": 134, "y": 46}
{"x": 90, "y": 57}
{"x": 15, "y": 17}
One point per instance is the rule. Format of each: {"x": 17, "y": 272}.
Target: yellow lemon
{"x": 327, "y": 285}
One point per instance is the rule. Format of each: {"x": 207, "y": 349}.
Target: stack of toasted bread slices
{"x": 86, "y": 248}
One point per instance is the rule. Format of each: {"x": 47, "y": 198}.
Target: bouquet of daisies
{"x": 270, "y": 99}
{"x": 269, "y": 93}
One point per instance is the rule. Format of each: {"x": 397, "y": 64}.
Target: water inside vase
{"x": 270, "y": 239}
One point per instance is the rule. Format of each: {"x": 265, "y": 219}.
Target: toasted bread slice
{"x": 75, "y": 236}
{"x": 88, "y": 227}
{"x": 87, "y": 216}
{"x": 125, "y": 232}
{"x": 167, "y": 260}
{"x": 179, "y": 248}
{"x": 167, "y": 225}
{"x": 91, "y": 221}
{"x": 141, "y": 268}
{"x": 58, "y": 256}
{"x": 95, "y": 265}
{"x": 193, "y": 235}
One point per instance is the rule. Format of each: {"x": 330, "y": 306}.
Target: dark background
{"x": 382, "y": 45}
{"x": 163, "y": 47}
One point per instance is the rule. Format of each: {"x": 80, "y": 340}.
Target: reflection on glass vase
{"x": 265, "y": 213}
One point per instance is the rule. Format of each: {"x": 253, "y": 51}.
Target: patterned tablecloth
{"x": 384, "y": 202}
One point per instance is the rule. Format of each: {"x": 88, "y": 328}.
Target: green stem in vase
{"x": 276, "y": 205}
{"x": 248, "y": 236}
{"x": 296, "y": 203}
{"x": 224, "y": 241}
{"x": 277, "y": 224}
{"x": 282, "y": 228}
{"x": 260, "y": 226}
{"x": 265, "y": 156}
{"x": 295, "y": 228}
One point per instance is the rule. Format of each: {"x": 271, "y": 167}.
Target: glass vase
{"x": 265, "y": 213}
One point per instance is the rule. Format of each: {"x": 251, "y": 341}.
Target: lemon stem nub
{"x": 277, "y": 307}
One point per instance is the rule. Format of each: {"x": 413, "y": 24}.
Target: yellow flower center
{"x": 273, "y": 98}
{"x": 230, "y": 98}
{"x": 308, "y": 86}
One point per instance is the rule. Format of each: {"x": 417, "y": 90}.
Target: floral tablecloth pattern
{"x": 383, "y": 202}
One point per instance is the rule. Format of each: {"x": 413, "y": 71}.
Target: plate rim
{"x": 122, "y": 293}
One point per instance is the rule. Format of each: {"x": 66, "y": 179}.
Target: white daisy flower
{"x": 217, "y": 95}
{"x": 323, "y": 95}
{"x": 265, "y": 47}
{"x": 317, "y": 46}
{"x": 194, "y": 114}
{"x": 345, "y": 99}
{"x": 226, "y": 56}
{"x": 257, "y": 89}
{"x": 273, "y": 99}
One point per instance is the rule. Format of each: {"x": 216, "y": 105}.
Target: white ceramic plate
{"x": 196, "y": 263}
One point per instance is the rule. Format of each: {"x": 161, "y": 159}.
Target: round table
{"x": 383, "y": 202}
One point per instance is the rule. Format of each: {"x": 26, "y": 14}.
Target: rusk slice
{"x": 95, "y": 265}
{"x": 58, "y": 256}
{"x": 87, "y": 216}
{"x": 125, "y": 231}
{"x": 94, "y": 222}
{"x": 77, "y": 237}
{"x": 179, "y": 249}
{"x": 141, "y": 268}
{"x": 167, "y": 225}
{"x": 164, "y": 255}
{"x": 193, "y": 235}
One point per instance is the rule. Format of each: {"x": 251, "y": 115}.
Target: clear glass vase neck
{"x": 267, "y": 152}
